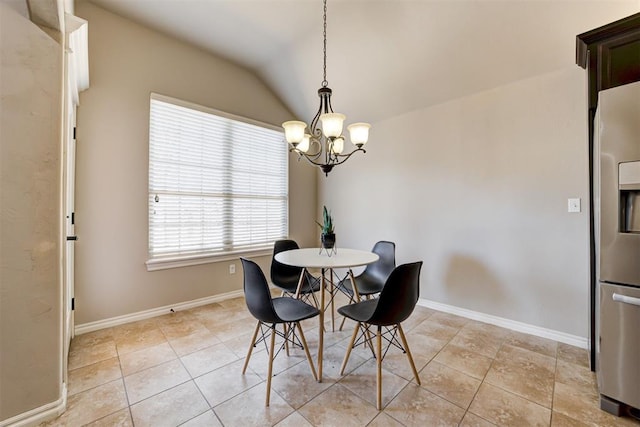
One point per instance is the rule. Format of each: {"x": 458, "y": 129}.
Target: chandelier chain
{"x": 324, "y": 50}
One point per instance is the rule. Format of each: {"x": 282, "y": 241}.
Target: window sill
{"x": 186, "y": 261}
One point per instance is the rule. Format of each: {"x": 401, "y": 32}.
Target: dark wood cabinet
{"x": 611, "y": 56}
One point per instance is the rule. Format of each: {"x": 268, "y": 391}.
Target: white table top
{"x": 314, "y": 258}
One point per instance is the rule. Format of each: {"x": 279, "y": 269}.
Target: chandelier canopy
{"x": 324, "y": 146}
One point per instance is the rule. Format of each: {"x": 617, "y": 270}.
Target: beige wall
{"x": 30, "y": 288}
{"x": 127, "y": 62}
{"x": 478, "y": 189}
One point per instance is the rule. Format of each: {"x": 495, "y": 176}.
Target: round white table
{"x": 320, "y": 258}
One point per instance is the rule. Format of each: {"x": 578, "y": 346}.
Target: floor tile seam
{"x": 69, "y": 371}
{"x": 571, "y": 386}
{"x": 195, "y": 383}
{"x": 454, "y": 369}
{"x": 159, "y": 392}
{"x": 553, "y": 392}
{"x": 194, "y": 417}
{"x": 571, "y": 418}
{"x": 388, "y": 415}
{"x": 466, "y": 346}
{"x": 94, "y": 362}
{"x": 573, "y": 364}
{"x": 213, "y": 407}
{"x": 139, "y": 349}
{"x": 186, "y": 354}
{"x": 517, "y": 367}
{"x": 337, "y": 384}
{"x": 389, "y": 372}
{"x": 554, "y": 356}
{"x": 484, "y": 381}
{"x": 69, "y": 395}
{"x": 297, "y": 411}
{"x": 465, "y": 373}
{"x": 468, "y": 411}
{"x": 213, "y": 370}
{"x": 536, "y": 353}
{"x": 148, "y": 368}
{"x": 128, "y": 408}
{"x": 428, "y": 391}
{"x": 521, "y": 396}
{"x": 450, "y": 401}
{"x": 100, "y": 385}
{"x": 457, "y": 370}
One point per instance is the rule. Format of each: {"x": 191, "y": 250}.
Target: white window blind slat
{"x": 216, "y": 184}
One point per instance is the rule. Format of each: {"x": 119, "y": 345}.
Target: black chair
{"x": 271, "y": 312}
{"x": 372, "y": 279}
{"x": 287, "y": 277}
{"x": 395, "y": 304}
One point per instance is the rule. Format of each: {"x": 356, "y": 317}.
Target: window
{"x": 218, "y": 184}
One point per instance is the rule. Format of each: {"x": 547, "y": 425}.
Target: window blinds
{"x": 217, "y": 184}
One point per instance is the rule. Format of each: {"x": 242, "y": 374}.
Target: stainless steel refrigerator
{"x": 617, "y": 235}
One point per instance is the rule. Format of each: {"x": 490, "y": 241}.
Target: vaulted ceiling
{"x": 385, "y": 57}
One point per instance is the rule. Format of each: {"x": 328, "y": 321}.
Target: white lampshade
{"x": 332, "y": 124}
{"x": 294, "y": 131}
{"x": 304, "y": 144}
{"x": 359, "y": 133}
{"x": 338, "y": 146}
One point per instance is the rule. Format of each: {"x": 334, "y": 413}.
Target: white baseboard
{"x": 514, "y": 325}
{"x": 39, "y": 415}
{"x": 147, "y": 314}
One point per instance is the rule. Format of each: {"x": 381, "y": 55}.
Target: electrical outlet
{"x": 573, "y": 205}
{"x": 232, "y": 269}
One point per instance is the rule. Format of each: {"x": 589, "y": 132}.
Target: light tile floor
{"x": 184, "y": 368}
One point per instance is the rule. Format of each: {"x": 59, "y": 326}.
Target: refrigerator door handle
{"x": 626, "y": 299}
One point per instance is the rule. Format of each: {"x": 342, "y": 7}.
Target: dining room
{"x": 477, "y": 144}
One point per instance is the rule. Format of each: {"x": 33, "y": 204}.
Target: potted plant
{"x": 327, "y": 237}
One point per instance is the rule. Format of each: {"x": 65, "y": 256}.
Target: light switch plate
{"x": 573, "y": 205}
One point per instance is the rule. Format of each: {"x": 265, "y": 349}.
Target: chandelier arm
{"x": 314, "y": 155}
{"x": 312, "y": 159}
{"x": 313, "y": 126}
{"x": 346, "y": 156}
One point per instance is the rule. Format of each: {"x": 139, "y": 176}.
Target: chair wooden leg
{"x": 306, "y": 350}
{"x": 406, "y": 348}
{"x": 321, "y": 321}
{"x": 286, "y": 341}
{"x": 269, "y": 373}
{"x": 342, "y": 323}
{"x": 253, "y": 343}
{"x": 349, "y": 347}
{"x": 333, "y": 304}
{"x": 379, "y": 366}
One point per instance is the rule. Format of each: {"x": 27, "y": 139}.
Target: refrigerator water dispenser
{"x": 629, "y": 186}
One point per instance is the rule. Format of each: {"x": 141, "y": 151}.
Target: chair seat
{"x": 360, "y": 311}
{"x": 293, "y": 310}
{"x": 290, "y": 285}
{"x": 366, "y": 285}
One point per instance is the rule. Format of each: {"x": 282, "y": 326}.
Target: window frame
{"x": 161, "y": 262}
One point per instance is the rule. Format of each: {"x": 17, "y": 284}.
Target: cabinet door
{"x": 619, "y": 60}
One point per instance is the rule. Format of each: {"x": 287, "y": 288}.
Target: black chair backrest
{"x": 256, "y": 293}
{"x": 281, "y": 274}
{"x": 380, "y": 270}
{"x": 399, "y": 295}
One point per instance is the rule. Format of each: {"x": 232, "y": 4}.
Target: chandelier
{"x": 324, "y": 146}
